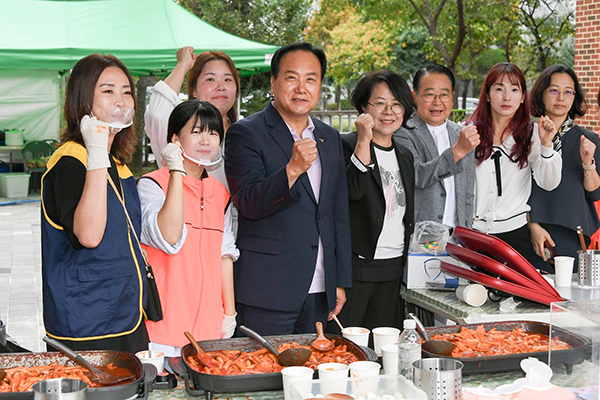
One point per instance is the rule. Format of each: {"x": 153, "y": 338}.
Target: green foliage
{"x": 358, "y": 47}
{"x": 276, "y": 22}
{"x": 408, "y": 51}
{"x": 548, "y": 27}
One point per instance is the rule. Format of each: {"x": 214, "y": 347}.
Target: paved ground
{"x": 20, "y": 271}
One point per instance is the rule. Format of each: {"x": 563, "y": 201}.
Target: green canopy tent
{"x": 40, "y": 38}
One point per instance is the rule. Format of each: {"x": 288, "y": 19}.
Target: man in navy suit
{"x": 287, "y": 176}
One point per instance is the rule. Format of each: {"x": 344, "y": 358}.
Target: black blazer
{"x": 279, "y": 227}
{"x": 367, "y": 204}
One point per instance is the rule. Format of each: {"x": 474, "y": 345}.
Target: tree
{"x": 276, "y": 22}
{"x": 548, "y": 25}
{"x": 359, "y": 47}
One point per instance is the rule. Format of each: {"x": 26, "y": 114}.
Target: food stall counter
{"x": 580, "y": 378}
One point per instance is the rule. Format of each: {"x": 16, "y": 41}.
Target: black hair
{"x": 432, "y": 69}
{"x": 202, "y": 111}
{"x": 538, "y": 109}
{"x": 299, "y": 46}
{"x": 364, "y": 89}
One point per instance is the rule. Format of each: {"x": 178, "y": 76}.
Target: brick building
{"x": 587, "y": 57}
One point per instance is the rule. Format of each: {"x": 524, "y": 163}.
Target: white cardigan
{"x": 498, "y": 214}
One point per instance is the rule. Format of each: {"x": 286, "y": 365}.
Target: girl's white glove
{"x": 173, "y": 157}
{"x": 228, "y": 327}
{"x": 95, "y": 136}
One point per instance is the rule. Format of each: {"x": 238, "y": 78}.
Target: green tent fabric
{"x": 144, "y": 34}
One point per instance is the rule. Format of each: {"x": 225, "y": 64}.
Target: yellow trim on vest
{"x": 76, "y": 150}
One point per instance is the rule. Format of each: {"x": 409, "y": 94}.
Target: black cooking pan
{"x": 137, "y": 389}
{"x": 579, "y": 351}
{"x": 198, "y": 384}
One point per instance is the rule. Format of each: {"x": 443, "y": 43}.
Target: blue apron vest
{"x": 97, "y": 293}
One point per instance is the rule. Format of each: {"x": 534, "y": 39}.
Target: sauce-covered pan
{"x": 135, "y": 389}
{"x": 579, "y": 351}
{"x": 197, "y": 383}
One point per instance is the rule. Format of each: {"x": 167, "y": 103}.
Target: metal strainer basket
{"x": 440, "y": 378}
{"x": 589, "y": 268}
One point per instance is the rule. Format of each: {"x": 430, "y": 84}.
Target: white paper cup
{"x": 563, "y": 269}
{"x": 358, "y": 335}
{"x": 474, "y": 295}
{"x": 333, "y": 377}
{"x": 383, "y": 336}
{"x": 301, "y": 377}
{"x": 156, "y": 358}
{"x": 367, "y": 377}
{"x": 389, "y": 357}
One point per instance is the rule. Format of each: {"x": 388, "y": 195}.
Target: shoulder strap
{"x": 112, "y": 183}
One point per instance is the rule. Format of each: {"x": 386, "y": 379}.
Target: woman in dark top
{"x": 555, "y": 215}
{"x": 381, "y": 183}
{"x": 92, "y": 271}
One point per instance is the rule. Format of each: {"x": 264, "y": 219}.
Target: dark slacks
{"x": 274, "y": 322}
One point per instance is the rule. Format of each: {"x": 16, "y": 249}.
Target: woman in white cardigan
{"x": 212, "y": 77}
{"x": 510, "y": 152}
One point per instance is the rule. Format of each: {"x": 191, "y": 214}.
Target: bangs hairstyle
{"x": 299, "y": 46}
{"x": 79, "y": 100}
{"x": 538, "y": 108}
{"x": 201, "y": 60}
{"x": 398, "y": 86}
{"x": 206, "y": 116}
{"x": 520, "y": 125}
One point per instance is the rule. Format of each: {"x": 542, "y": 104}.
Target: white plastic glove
{"x": 173, "y": 157}
{"x": 228, "y": 327}
{"x": 95, "y": 137}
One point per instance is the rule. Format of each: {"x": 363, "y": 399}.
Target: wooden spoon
{"x": 202, "y": 356}
{"x": 337, "y": 321}
{"x": 581, "y": 240}
{"x": 321, "y": 343}
{"x": 98, "y": 376}
{"x": 2, "y": 375}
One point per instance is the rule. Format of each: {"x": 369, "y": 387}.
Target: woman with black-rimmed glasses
{"x": 381, "y": 180}
{"x": 555, "y": 215}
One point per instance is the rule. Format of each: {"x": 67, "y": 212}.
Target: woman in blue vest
{"x": 93, "y": 283}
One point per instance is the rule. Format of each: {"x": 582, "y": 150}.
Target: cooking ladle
{"x": 440, "y": 347}
{"x": 321, "y": 343}
{"x": 98, "y": 376}
{"x": 294, "y": 356}
{"x": 202, "y": 356}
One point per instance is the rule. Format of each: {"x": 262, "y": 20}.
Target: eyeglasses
{"x": 568, "y": 93}
{"x": 381, "y": 107}
{"x": 430, "y": 97}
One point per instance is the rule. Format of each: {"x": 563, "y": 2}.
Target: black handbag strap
{"x": 122, "y": 201}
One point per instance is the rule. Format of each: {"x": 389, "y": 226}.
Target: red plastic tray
{"x": 499, "y": 284}
{"x": 500, "y": 251}
{"x": 492, "y": 266}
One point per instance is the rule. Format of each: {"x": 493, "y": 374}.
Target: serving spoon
{"x": 98, "y": 376}
{"x": 321, "y": 343}
{"x": 202, "y": 356}
{"x": 295, "y": 356}
{"x": 440, "y": 347}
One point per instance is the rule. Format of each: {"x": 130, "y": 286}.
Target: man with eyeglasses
{"x": 443, "y": 152}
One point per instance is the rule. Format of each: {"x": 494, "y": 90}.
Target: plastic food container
{"x": 385, "y": 386}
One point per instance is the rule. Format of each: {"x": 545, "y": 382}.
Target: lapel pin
{"x": 322, "y": 140}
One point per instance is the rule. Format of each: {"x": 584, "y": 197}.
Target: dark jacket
{"x": 367, "y": 204}
{"x": 279, "y": 227}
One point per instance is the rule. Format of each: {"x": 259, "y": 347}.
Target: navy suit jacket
{"x": 279, "y": 227}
